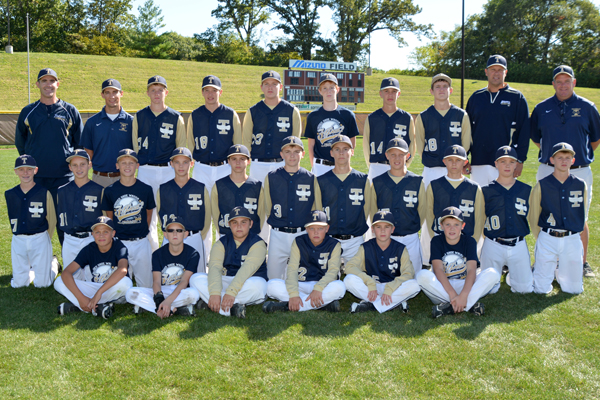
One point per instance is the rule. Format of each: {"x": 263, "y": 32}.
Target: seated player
{"x": 312, "y": 272}
{"x": 32, "y": 220}
{"x": 237, "y": 271}
{"x": 105, "y": 280}
{"x": 381, "y": 273}
{"x": 506, "y": 208}
{"x": 453, "y": 284}
{"x": 558, "y": 210}
{"x": 172, "y": 266}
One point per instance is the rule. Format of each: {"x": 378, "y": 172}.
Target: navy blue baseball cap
{"x": 506, "y": 151}
{"x": 496, "y": 59}
{"x": 562, "y": 146}
{"x": 45, "y": 72}
{"x": 104, "y": 220}
{"x": 239, "y": 212}
{"x": 341, "y": 139}
{"x": 271, "y": 75}
{"x": 317, "y": 217}
{"x": 456, "y": 151}
{"x": 127, "y": 153}
{"x": 397, "y": 143}
{"x": 451, "y": 212}
{"x": 328, "y": 77}
{"x": 157, "y": 80}
{"x": 390, "y": 82}
{"x": 238, "y": 149}
{"x": 111, "y": 83}
{"x": 25, "y": 160}
{"x": 181, "y": 151}
{"x": 563, "y": 69}
{"x": 384, "y": 216}
{"x": 292, "y": 141}
{"x": 173, "y": 219}
{"x": 78, "y": 153}
{"x": 211, "y": 81}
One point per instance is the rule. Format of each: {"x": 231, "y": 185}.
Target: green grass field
{"x": 525, "y": 347}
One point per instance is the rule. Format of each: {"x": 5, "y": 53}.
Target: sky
{"x": 188, "y": 17}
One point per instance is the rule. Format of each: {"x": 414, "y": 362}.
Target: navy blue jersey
{"x": 344, "y": 202}
{"x": 269, "y": 128}
{"x": 213, "y": 133}
{"x": 156, "y": 135}
{"x": 129, "y": 205}
{"x": 187, "y": 202}
{"x": 462, "y": 197}
{"x": 292, "y": 197}
{"x": 562, "y": 204}
{"x": 314, "y": 260}
{"x": 383, "y": 265}
{"x": 325, "y": 126}
{"x": 402, "y": 199}
{"x": 234, "y": 256}
{"x": 78, "y": 207}
{"x": 383, "y": 128}
{"x": 498, "y": 119}
{"x": 172, "y": 267}
{"x": 98, "y": 266}
{"x": 454, "y": 257}
{"x": 27, "y": 212}
{"x": 506, "y": 210}
{"x": 441, "y": 132}
{"x": 575, "y": 121}
{"x": 230, "y": 196}
{"x": 49, "y": 134}
{"x": 106, "y": 137}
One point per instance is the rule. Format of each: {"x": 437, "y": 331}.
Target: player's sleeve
{"x": 254, "y": 259}
{"x": 215, "y": 269}
{"x": 267, "y": 195}
{"x": 366, "y": 141}
{"x": 407, "y": 271}
{"x": 76, "y": 127}
{"x": 291, "y": 280}
{"x": 373, "y": 202}
{"x": 479, "y": 214}
{"x": 352, "y": 125}
{"x": 247, "y": 131}
{"x": 237, "y": 129}
{"x": 368, "y": 200}
{"x": 520, "y": 137}
{"x": 471, "y": 250}
{"x": 192, "y": 263}
{"x": 51, "y": 213}
{"x": 82, "y": 258}
{"x": 356, "y": 266}
{"x": 158, "y": 202}
{"x": 190, "y": 134}
{"x": 134, "y": 134}
{"x": 296, "y": 123}
{"x": 107, "y": 204}
{"x": 534, "y": 131}
{"x": 419, "y": 135}
{"x": 150, "y": 203}
{"x": 21, "y": 133}
{"x": 465, "y": 138}
{"x": 207, "y": 214}
{"x": 180, "y": 135}
{"x": 87, "y": 135}
{"x": 594, "y": 129}
{"x": 318, "y": 205}
{"x": 214, "y": 207}
{"x": 156, "y": 264}
{"x": 535, "y": 209}
{"x": 422, "y": 207}
{"x": 333, "y": 268}
{"x": 429, "y": 216}
{"x": 122, "y": 253}
{"x": 412, "y": 147}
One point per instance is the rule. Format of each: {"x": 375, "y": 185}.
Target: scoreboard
{"x": 303, "y": 86}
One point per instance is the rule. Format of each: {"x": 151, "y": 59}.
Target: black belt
{"x": 28, "y": 234}
{"x": 558, "y": 234}
{"x": 107, "y": 174}
{"x": 132, "y": 239}
{"x": 508, "y": 241}
{"x": 324, "y": 162}
{"x": 268, "y": 159}
{"x": 194, "y": 232}
{"x": 158, "y": 165}
{"x": 213, "y": 163}
{"x": 80, "y": 235}
{"x": 572, "y": 166}
{"x": 290, "y": 230}
{"x": 343, "y": 237}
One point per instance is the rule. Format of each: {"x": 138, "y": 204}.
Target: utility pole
{"x": 8, "y": 48}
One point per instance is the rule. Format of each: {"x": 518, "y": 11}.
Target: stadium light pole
{"x": 462, "y": 78}
{"x": 8, "y": 48}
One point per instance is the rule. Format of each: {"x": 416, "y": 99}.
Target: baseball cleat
{"x": 587, "y": 270}
{"x": 477, "y": 309}
{"x": 273, "y": 306}
{"x": 334, "y": 306}
{"x": 238, "y": 310}
{"x": 363, "y": 306}
{"x": 201, "y": 305}
{"x": 137, "y": 310}
{"x": 404, "y": 306}
{"x": 442, "y": 309}
{"x": 504, "y": 269}
{"x": 59, "y": 267}
{"x": 186, "y": 310}
{"x": 104, "y": 310}
{"x": 66, "y": 308}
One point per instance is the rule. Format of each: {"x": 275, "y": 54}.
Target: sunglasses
{"x": 175, "y": 230}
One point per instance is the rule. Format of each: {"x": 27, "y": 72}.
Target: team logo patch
{"x": 124, "y": 126}
{"x": 223, "y": 126}
{"x": 393, "y": 264}
{"x": 521, "y": 206}
{"x": 166, "y": 130}
{"x": 328, "y": 130}
{"x": 410, "y": 198}
{"x": 455, "y": 129}
{"x": 356, "y": 196}
{"x": 303, "y": 192}
{"x": 171, "y": 274}
{"x": 576, "y": 112}
{"x": 90, "y": 203}
{"x": 195, "y": 201}
{"x": 102, "y": 272}
{"x": 505, "y": 103}
{"x": 455, "y": 265}
{"x": 400, "y": 130}
{"x": 128, "y": 209}
{"x": 576, "y": 198}
{"x": 323, "y": 258}
{"x": 283, "y": 124}
{"x": 36, "y": 209}
{"x": 466, "y": 207}
{"x": 250, "y": 204}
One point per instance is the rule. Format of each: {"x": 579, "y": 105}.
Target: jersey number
{"x": 63, "y": 219}
{"x": 203, "y": 142}
{"x": 257, "y": 139}
{"x": 301, "y": 273}
{"x": 277, "y": 209}
{"x": 551, "y": 220}
{"x": 431, "y": 145}
{"x": 166, "y": 219}
{"x": 379, "y": 149}
{"x": 495, "y": 223}
{"x": 143, "y": 145}
{"x": 14, "y": 223}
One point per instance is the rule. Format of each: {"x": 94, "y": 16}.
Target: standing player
{"x": 266, "y": 124}
{"x": 381, "y": 273}
{"x": 567, "y": 117}
{"x": 558, "y": 210}
{"x": 157, "y": 131}
{"x": 499, "y": 116}
{"x": 312, "y": 272}
{"x": 49, "y": 130}
{"x": 289, "y": 198}
{"x": 187, "y": 198}
{"x": 31, "y": 214}
{"x": 237, "y": 270}
{"x": 172, "y": 266}
{"x": 385, "y": 124}
{"x": 79, "y": 205}
{"x": 325, "y": 124}
{"x": 130, "y": 203}
{"x": 345, "y": 195}
{"x": 103, "y": 263}
{"x": 453, "y": 285}
{"x": 106, "y": 133}
{"x": 403, "y": 194}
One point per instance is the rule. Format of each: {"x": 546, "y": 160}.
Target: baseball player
{"x": 187, "y": 198}
{"x": 499, "y": 116}
{"x": 567, "y": 117}
{"x": 453, "y": 285}
{"x": 266, "y": 124}
{"x": 385, "y": 124}
{"x": 402, "y": 193}
{"x": 157, "y": 131}
{"x": 326, "y": 123}
{"x": 289, "y": 198}
{"x": 237, "y": 189}
{"x": 345, "y": 195}
{"x": 237, "y": 270}
{"x": 558, "y": 210}
{"x": 312, "y": 272}
{"x": 505, "y": 228}
{"x": 31, "y": 215}
{"x": 172, "y": 266}
{"x": 130, "y": 203}
{"x": 98, "y": 276}
{"x": 107, "y": 132}
{"x": 79, "y": 205}
{"x": 49, "y": 130}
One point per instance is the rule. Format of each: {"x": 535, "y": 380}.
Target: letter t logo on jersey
{"x": 90, "y": 203}
{"x": 303, "y": 192}
{"x": 521, "y": 207}
{"x": 576, "y": 198}
{"x": 283, "y": 124}
{"x": 250, "y": 205}
{"x": 466, "y": 206}
{"x": 36, "y": 209}
{"x": 356, "y": 196}
{"x": 166, "y": 130}
{"x": 455, "y": 129}
{"x": 410, "y": 198}
{"x": 195, "y": 201}
{"x": 223, "y": 126}
{"x": 400, "y": 130}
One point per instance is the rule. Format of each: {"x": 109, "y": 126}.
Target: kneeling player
{"x": 237, "y": 271}
{"x": 172, "y": 266}
{"x": 454, "y": 285}
{"x": 104, "y": 264}
{"x": 312, "y": 272}
{"x": 381, "y": 273}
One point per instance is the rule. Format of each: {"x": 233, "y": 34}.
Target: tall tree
{"x": 146, "y": 40}
{"x": 244, "y": 16}
{"x": 107, "y": 17}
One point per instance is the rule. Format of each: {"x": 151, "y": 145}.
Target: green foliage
{"x": 182, "y": 47}
{"x": 244, "y": 16}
